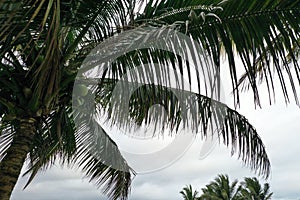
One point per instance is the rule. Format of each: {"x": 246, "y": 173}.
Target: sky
{"x": 278, "y": 126}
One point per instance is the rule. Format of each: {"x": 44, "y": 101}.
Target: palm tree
{"x": 221, "y": 189}
{"x": 43, "y": 44}
{"x": 253, "y": 190}
{"x": 188, "y": 193}
{"x": 250, "y": 189}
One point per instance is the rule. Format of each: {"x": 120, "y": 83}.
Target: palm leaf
{"x": 257, "y": 32}
{"x": 53, "y": 143}
{"x": 100, "y": 158}
{"x": 196, "y": 112}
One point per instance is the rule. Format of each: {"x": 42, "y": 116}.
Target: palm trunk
{"x": 12, "y": 163}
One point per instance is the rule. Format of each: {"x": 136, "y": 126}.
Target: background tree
{"x": 221, "y": 189}
{"x": 253, "y": 190}
{"x": 43, "y": 44}
{"x": 188, "y": 193}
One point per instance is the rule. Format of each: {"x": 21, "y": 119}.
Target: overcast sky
{"x": 278, "y": 126}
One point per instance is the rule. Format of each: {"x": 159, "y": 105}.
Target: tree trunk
{"x": 12, "y": 163}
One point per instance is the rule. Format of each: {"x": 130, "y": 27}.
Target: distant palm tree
{"x": 253, "y": 190}
{"x": 220, "y": 189}
{"x": 188, "y": 193}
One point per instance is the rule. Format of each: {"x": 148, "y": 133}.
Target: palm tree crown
{"x": 253, "y": 190}
{"x": 188, "y": 193}
{"x": 221, "y": 189}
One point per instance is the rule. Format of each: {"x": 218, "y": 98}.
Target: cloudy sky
{"x": 278, "y": 126}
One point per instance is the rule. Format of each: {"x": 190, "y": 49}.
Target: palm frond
{"x": 89, "y": 150}
{"x": 264, "y": 33}
{"x": 53, "y": 141}
{"x": 6, "y": 135}
{"x": 263, "y": 74}
{"x": 197, "y": 113}
{"x": 99, "y": 156}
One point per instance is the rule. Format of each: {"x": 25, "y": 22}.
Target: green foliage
{"x": 251, "y": 189}
{"x": 188, "y": 193}
{"x": 263, "y": 34}
{"x": 222, "y": 189}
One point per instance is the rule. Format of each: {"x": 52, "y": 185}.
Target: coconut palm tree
{"x": 249, "y": 189}
{"x": 253, "y": 190}
{"x": 188, "y": 193}
{"x": 221, "y": 189}
{"x": 44, "y": 43}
